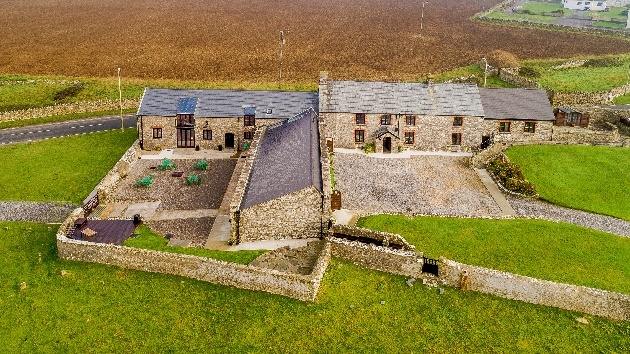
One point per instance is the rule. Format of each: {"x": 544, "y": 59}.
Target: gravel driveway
{"x": 428, "y": 184}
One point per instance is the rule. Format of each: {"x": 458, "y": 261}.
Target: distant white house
{"x": 585, "y": 5}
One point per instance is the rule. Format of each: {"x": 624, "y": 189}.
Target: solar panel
{"x": 187, "y": 105}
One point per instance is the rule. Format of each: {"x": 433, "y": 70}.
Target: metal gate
{"x": 430, "y": 265}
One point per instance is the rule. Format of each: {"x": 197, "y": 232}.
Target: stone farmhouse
{"x": 427, "y": 116}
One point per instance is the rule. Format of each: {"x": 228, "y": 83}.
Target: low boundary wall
{"x": 591, "y": 301}
{"x": 300, "y": 287}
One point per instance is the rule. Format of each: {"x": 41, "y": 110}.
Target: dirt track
{"x": 238, "y": 40}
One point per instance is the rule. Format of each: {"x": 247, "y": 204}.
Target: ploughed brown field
{"x": 237, "y": 40}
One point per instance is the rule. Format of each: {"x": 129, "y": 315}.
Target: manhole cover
{"x": 177, "y": 174}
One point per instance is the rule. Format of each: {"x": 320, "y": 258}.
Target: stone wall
{"x": 579, "y": 135}
{"x": 512, "y": 76}
{"x": 218, "y": 126}
{"x": 430, "y": 132}
{"x": 301, "y": 287}
{"x": 543, "y": 131}
{"x": 591, "y": 301}
{"x": 402, "y": 262}
{"x": 68, "y": 108}
{"x": 292, "y": 216}
{"x": 385, "y": 238}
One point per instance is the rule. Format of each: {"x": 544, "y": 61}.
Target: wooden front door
{"x": 185, "y": 138}
{"x": 387, "y": 144}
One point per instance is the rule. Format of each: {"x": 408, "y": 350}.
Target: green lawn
{"x": 63, "y": 169}
{"x": 541, "y": 249}
{"x": 521, "y": 17}
{"x": 150, "y": 240}
{"x": 24, "y": 91}
{"x": 587, "y": 79}
{"x": 97, "y": 309}
{"x": 619, "y": 13}
{"x": 591, "y": 178}
{"x": 542, "y": 7}
{"x": 606, "y": 24}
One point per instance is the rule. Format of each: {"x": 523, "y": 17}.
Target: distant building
{"x": 585, "y": 5}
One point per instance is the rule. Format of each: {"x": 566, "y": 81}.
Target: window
{"x": 249, "y": 120}
{"x": 504, "y": 127}
{"x": 359, "y": 118}
{"x": 458, "y": 121}
{"x": 410, "y": 120}
{"x": 185, "y": 120}
{"x": 456, "y": 138}
{"x": 530, "y": 127}
{"x": 410, "y": 137}
{"x": 386, "y": 119}
{"x": 248, "y": 135}
{"x": 359, "y": 136}
{"x": 157, "y": 133}
{"x": 207, "y": 134}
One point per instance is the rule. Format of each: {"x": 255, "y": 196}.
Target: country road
{"x": 56, "y": 130}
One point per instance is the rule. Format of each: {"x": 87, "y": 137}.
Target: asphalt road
{"x": 56, "y": 130}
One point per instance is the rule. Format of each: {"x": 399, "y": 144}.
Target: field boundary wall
{"x": 68, "y": 108}
{"x": 583, "y": 299}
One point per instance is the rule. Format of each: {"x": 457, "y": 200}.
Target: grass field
{"x": 63, "y": 169}
{"x": 150, "y": 240}
{"x": 590, "y": 178}
{"x": 97, "y": 308}
{"x": 475, "y": 69}
{"x": 541, "y": 249}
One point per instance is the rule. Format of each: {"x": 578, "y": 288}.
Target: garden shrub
{"x": 528, "y": 72}
{"x": 166, "y": 165}
{"x": 201, "y": 165}
{"x": 68, "y": 92}
{"x": 511, "y": 176}
{"x": 193, "y": 179}
{"x": 368, "y": 148}
{"x": 145, "y": 182}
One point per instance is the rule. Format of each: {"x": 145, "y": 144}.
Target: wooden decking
{"x": 105, "y": 231}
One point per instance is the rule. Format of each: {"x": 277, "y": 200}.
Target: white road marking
{"x": 72, "y": 127}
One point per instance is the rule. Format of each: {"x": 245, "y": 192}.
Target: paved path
{"x": 56, "y": 130}
{"x": 499, "y": 198}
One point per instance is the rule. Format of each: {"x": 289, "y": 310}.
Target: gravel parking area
{"x": 194, "y": 230}
{"x": 543, "y": 210}
{"x": 35, "y": 211}
{"x": 428, "y": 184}
{"x": 173, "y": 191}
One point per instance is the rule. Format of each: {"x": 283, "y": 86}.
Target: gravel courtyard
{"x": 173, "y": 191}
{"x": 427, "y": 184}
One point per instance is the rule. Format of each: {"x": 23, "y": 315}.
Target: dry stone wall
{"x": 578, "y": 135}
{"x": 68, "y": 108}
{"x": 385, "y": 238}
{"x": 402, "y": 262}
{"x": 517, "y": 287}
{"x": 301, "y": 287}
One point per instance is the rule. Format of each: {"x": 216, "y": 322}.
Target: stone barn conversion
{"x": 516, "y": 115}
{"x": 281, "y": 192}
{"x": 212, "y": 119}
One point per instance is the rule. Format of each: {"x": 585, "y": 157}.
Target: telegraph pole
{"x": 422, "y": 16}
{"x": 282, "y": 42}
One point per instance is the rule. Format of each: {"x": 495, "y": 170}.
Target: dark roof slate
{"x": 287, "y": 160}
{"x": 400, "y": 97}
{"x": 226, "y": 103}
{"x": 516, "y": 104}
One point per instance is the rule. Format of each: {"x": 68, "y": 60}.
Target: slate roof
{"x": 400, "y": 97}
{"x": 225, "y": 103}
{"x": 287, "y": 160}
{"x": 516, "y": 104}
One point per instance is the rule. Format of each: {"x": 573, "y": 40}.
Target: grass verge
{"x": 591, "y": 178}
{"x": 541, "y": 249}
{"x": 97, "y": 308}
{"x": 150, "y": 240}
{"x": 63, "y": 169}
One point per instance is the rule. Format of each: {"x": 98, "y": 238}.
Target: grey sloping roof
{"x": 400, "y": 97}
{"x": 516, "y": 104}
{"x": 287, "y": 160}
{"x": 226, "y": 103}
